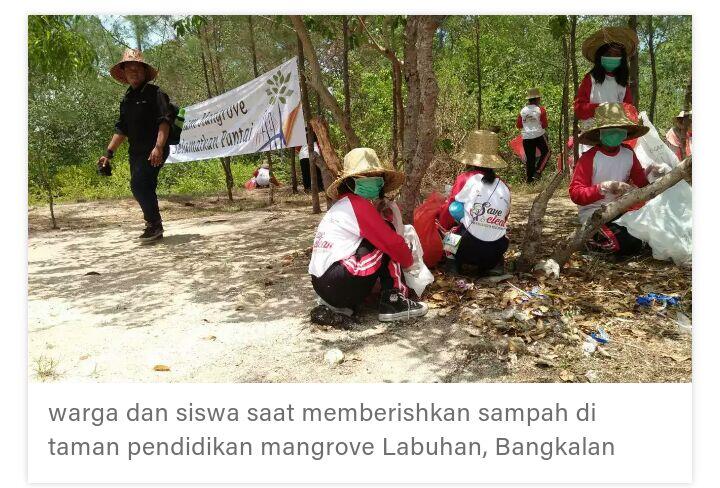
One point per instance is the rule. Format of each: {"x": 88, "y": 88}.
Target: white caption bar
{"x": 401, "y": 433}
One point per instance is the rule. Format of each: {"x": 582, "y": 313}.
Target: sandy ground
{"x": 225, "y": 297}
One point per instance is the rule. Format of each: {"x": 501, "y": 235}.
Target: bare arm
{"x": 156, "y": 155}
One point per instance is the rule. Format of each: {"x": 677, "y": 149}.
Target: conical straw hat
{"x": 533, "y": 93}
{"x": 363, "y": 161}
{"x": 613, "y": 115}
{"x": 610, "y": 35}
{"x": 481, "y": 149}
{"x": 132, "y": 55}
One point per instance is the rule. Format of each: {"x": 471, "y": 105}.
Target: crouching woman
{"x": 609, "y": 170}
{"x": 355, "y": 247}
{"x": 480, "y": 203}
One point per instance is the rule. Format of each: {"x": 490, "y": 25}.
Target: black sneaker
{"x": 394, "y": 306}
{"x": 152, "y": 232}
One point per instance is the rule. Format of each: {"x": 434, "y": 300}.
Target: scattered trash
{"x": 463, "y": 285}
{"x": 550, "y": 267}
{"x": 334, "y": 357}
{"x": 589, "y": 346}
{"x": 650, "y": 299}
{"x": 591, "y": 376}
{"x": 161, "y": 367}
{"x": 601, "y": 336}
{"x": 209, "y": 338}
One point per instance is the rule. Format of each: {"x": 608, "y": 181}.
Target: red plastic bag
{"x": 517, "y": 147}
{"x": 424, "y": 221}
{"x": 250, "y": 184}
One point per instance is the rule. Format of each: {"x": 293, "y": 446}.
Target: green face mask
{"x": 610, "y": 63}
{"x": 369, "y": 187}
{"x": 612, "y": 137}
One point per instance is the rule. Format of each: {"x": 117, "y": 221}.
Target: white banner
{"x": 261, "y": 115}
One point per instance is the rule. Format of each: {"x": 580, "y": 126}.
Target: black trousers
{"x": 340, "y": 288}
{"x": 615, "y": 239}
{"x": 531, "y": 160}
{"x": 483, "y": 254}
{"x": 305, "y": 170}
{"x": 143, "y": 183}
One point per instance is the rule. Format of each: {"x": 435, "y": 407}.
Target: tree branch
{"x": 608, "y": 212}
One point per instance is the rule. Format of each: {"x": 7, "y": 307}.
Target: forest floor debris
{"x": 222, "y": 273}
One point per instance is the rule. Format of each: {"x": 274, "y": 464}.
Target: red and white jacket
{"x": 350, "y": 220}
{"x": 532, "y": 121}
{"x": 598, "y": 165}
{"x": 487, "y": 206}
{"x": 591, "y": 94}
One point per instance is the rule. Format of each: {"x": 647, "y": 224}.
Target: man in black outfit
{"x": 145, "y": 118}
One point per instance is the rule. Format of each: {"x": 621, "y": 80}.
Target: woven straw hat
{"x": 533, "y": 93}
{"x": 481, "y": 149}
{"x": 363, "y": 161}
{"x": 614, "y": 115}
{"x": 118, "y": 73}
{"x": 610, "y": 35}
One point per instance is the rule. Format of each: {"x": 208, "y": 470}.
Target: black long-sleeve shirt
{"x": 142, "y": 110}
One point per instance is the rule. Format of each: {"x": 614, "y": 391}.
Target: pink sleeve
{"x": 583, "y": 108}
{"x": 379, "y": 233}
{"x": 582, "y": 191}
{"x": 543, "y": 117}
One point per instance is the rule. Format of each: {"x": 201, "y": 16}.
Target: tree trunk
{"x": 653, "y": 69}
{"x": 687, "y": 106}
{"x": 634, "y": 65}
{"x": 51, "y": 202}
{"x": 565, "y": 103}
{"x": 253, "y": 51}
{"x": 478, "y": 72}
{"x": 531, "y": 244}
{"x": 293, "y": 171}
{"x": 214, "y": 66}
{"x": 532, "y": 240}
{"x": 397, "y": 82}
{"x": 310, "y": 135}
{"x": 420, "y": 127}
{"x": 315, "y": 81}
{"x": 574, "y": 69}
{"x": 608, "y": 212}
{"x": 345, "y": 73}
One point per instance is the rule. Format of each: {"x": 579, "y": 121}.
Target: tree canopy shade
{"x": 482, "y": 65}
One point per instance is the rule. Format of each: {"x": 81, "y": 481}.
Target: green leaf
{"x": 283, "y": 99}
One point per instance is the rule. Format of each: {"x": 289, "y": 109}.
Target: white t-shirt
{"x": 531, "y": 122}
{"x": 263, "y": 177}
{"x": 487, "y": 206}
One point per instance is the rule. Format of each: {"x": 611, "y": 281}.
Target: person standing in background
{"x": 532, "y": 122}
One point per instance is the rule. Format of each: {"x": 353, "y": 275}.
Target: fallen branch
{"x": 607, "y": 213}
{"x": 530, "y": 248}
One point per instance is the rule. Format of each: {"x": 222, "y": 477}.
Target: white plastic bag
{"x": 417, "y": 276}
{"x": 665, "y": 222}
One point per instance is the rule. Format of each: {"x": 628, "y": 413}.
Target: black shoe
{"x": 151, "y": 233}
{"x": 394, "y": 306}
